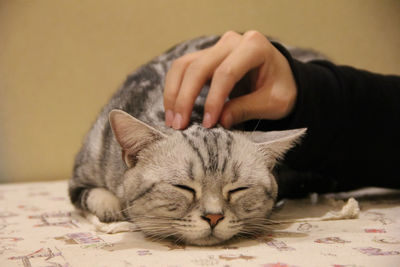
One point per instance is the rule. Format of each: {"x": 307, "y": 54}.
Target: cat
{"x": 198, "y": 186}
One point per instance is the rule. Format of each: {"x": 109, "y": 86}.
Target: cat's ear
{"x": 275, "y": 144}
{"x": 132, "y": 135}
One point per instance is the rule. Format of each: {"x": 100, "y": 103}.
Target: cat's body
{"x": 200, "y": 186}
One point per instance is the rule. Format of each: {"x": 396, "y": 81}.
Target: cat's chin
{"x": 205, "y": 241}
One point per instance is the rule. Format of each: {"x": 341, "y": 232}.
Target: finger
{"x": 197, "y": 74}
{"x": 268, "y": 102}
{"x": 173, "y": 82}
{"x": 250, "y": 53}
{"x": 243, "y": 108}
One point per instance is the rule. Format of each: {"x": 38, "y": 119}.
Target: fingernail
{"x": 207, "y": 120}
{"x": 176, "y": 124}
{"x": 169, "y": 117}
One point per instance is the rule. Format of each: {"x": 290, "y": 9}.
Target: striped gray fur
{"x": 166, "y": 181}
{"x": 214, "y": 148}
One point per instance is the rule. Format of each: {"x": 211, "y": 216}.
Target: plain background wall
{"x": 61, "y": 60}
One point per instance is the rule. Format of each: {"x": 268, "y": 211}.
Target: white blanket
{"x": 39, "y": 227}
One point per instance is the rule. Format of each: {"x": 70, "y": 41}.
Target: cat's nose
{"x": 213, "y": 219}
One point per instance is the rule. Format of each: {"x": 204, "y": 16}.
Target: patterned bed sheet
{"x": 39, "y": 227}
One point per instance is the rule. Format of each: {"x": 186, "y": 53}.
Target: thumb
{"x": 240, "y": 109}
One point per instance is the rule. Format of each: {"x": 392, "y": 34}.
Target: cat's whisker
{"x": 157, "y": 230}
{"x": 157, "y": 217}
{"x": 156, "y": 236}
{"x": 255, "y": 128}
{"x": 167, "y": 224}
{"x": 246, "y": 234}
{"x": 261, "y": 221}
{"x": 179, "y": 239}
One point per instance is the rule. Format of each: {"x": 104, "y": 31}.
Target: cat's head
{"x": 200, "y": 186}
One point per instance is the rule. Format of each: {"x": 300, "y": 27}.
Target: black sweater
{"x": 353, "y": 136}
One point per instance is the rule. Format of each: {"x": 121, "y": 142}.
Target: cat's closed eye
{"x": 186, "y": 188}
{"x": 233, "y": 191}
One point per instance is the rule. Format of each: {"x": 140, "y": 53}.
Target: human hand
{"x": 273, "y": 89}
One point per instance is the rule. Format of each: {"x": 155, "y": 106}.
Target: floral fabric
{"x": 39, "y": 227}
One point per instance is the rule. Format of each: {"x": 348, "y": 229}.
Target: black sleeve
{"x": 353, "y": 121}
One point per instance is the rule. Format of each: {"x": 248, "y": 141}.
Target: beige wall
{"x": 61, "y": 60}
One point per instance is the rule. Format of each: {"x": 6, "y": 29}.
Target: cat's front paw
{"x": 105, "y": 205}
{"x": 110, "y": 228}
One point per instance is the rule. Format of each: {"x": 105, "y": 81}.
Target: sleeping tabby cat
{"x": 199, "y": 186}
